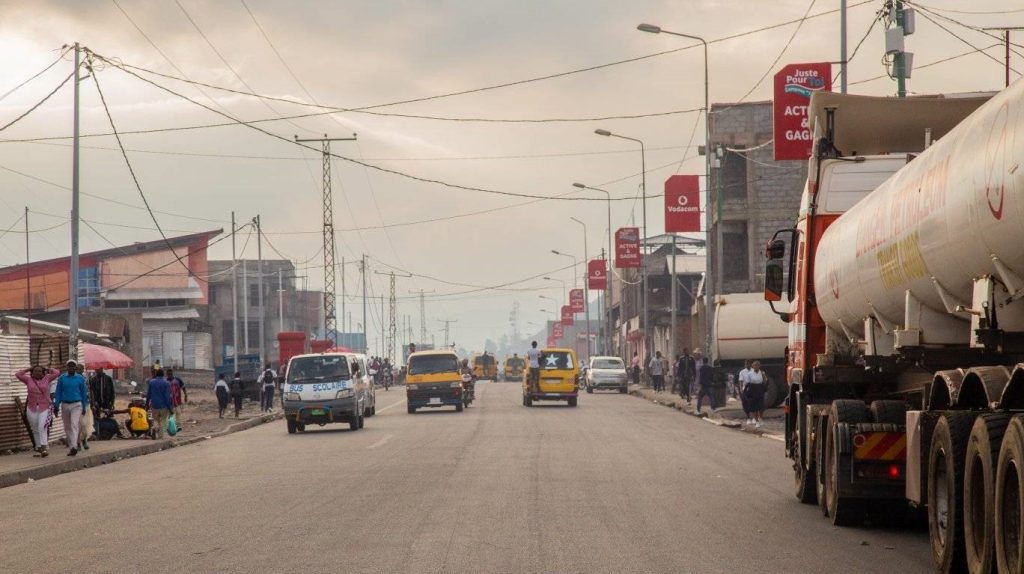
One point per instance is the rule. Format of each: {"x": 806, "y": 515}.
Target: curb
{"x": 638, "y": 393}
{"x": 81, "y": 462}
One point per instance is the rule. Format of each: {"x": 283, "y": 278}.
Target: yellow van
{"x": 485, "y": 367}
{"x": 514, "y": 367}
{"x": 433, "y": 380}
{"x": 558, "y": 372}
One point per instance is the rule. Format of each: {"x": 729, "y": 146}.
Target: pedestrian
{"x": 160, "y": 401}
{"x": 705, "y": 377}
{"x": 656, "y": 368}
{"x": 37, "y": 410}
{"x": 686, "y": 369}
{"x": 754, "y": 390}
{"x": 741, "y": 383}
{"x": 222, "y": 391}
{"x": 101, "y": 392}
{"x": 235, "y": 390}
{"x": 70, "y": 399}
{"x": 179, "y": 395}
{"x": 635, "y": 368}
{"x": 267, "y": 380}
{"x": 533, "y": 360}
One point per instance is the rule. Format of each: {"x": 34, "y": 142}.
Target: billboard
{"x": 794, "y": 85}
{"x": 557, "y": 330}
{"x": 627, "y": 247}
{"x": 552, "y": 341}
{"x": 567, "y": 316}
{"x": 597, "y": 274}
{"x": 682, "y": 204}
{"x": 576, "y": 300}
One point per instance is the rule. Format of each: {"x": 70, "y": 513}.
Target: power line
{"x": 973, "y": 12}
{"x": 799, "y": 24}
{"x": 925, "y": 15}
{"x": 930, "y": 64}
{"x": 878, "y": 18}
{"x": 39, "y": 103}
{"x": 36, "y": 75}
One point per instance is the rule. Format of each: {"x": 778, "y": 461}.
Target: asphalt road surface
{"x": 615, "y": 485}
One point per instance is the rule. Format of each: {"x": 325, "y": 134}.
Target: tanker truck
{"x": 902, "y": 285}
{"x": 747, "y": 330}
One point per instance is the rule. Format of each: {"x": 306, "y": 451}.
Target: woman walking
{"x": 223, "y": 394}
{"x": 236, "y": 392}
{"x": 635, "y": 368}
{"x": 37, "y": 381}
{"x": 754, "y": 390}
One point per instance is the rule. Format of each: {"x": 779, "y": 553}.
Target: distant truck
{"x": 747, "y": 329}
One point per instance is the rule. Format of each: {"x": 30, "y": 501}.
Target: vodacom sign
{"x": 682, "y": 204}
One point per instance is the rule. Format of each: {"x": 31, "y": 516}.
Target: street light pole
{"x": 565, "y": 293}
{"x": 643, "y": 266}
{"x": 575, "y": 264}
{"x": 709, "y": 282}
{"x": 608, "y": 282}
{"x": 586, "y": 298}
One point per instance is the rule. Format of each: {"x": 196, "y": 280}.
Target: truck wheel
{"x": 945, "y": 490}
{"x": 804, "y": 480}
{"x": 889, "y": 412}
{"x": 843, "y": 510}
{"x": 1010, "y": 498}
{"x": 291, "y": 426}
{"x": 979, "y": 491}
{"x": 821, "y": 431}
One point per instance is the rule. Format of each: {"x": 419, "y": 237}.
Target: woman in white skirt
{"x": 37, "y": 381}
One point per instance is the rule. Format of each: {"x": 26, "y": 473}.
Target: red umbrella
{"x": 100, "y": 357}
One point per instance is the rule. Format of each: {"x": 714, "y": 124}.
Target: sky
{"x": 347, "y": 54}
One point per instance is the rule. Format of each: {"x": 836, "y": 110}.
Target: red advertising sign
{"x": 627, "y": 247}
{"x": 557, "y": 330}
{"x": 597, "y": 274}
{"x": 552, "y": 341}
{"x": 682, "y": 204}
{"x": 794, "y": 85}
{"x": 567, "y": 316}
{"x": 576, "y": 300}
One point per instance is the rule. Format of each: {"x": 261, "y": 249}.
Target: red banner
{"x": 597, "y": 274}
{"x": 576, "y": 300}
{"x": 682, "y": 204}
{"x": 794, "y": 85}
{"x": 627, "y": 247}
{"x": 557, "y": 330}
{"x": 567, "y": 316}
{"x": 552, "y": 342}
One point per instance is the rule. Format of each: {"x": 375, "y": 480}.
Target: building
{"x": 753, "y": 195}
{"x": 285, "y": 307}
{"x": 150, "y": 295}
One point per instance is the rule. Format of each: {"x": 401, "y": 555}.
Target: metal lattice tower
{"x": 392, "y": 332}
{"x": 330, "y": 270}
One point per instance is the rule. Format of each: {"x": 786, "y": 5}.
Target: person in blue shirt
{"x": 70, "y": 399}
{"x": 158, "y": 398}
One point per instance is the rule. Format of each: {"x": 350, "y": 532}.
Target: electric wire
{"x": 926, "y": 16}
{"x": 64, "y": 51}
{"x": 930, "y": 64}
{"x": 782, "y": 52}
{"x": 39, "y": 103}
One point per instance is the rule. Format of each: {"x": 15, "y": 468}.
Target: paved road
{"x": 615, "y": 485}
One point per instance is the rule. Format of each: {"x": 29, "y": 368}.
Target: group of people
{"x": 384, "y": 370}
{"x": 694, "y": 370}
{"x": 78, "y": 402}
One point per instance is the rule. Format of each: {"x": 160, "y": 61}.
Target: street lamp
{"x": 575, "y": 264}
{"x": 586, "y": 298}
{"x": 709, "y": 283}
{"x": 564, "y": 292}
{"x": 608, "y": 283}
{"x": 643, "y": 188}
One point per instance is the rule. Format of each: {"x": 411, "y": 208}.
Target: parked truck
{"x": 747, "y": 330}
{"x": 902, "y": 286}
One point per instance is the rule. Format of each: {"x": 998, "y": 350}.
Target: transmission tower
{"x": 330, "y": 316}
{"x": 423, "y": 316}
{"x": 513, "y": 319}
{"x": 392, "y": 333}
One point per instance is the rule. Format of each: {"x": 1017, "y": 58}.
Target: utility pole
{"x": 842, "y": 50}
{"x": 1006, "y": 40}
{"x": 28, "y": 277}
{"x": 245, "y": 303}
{"x": 672, "y": 322}
{"x": 234, "y": 299}
{"x": 259, "y": 283}
{"x": 900, "y": 24}
{"x": 75, "y": 172}
{"x": 392, "y": 333}
{"x": 343, "y": 295}
{"x": 330, "y": 315}
{"x": 423, "y": 316}
{"x": 362, "y": 275}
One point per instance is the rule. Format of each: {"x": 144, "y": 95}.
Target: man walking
{"x": 71, "y": 398}
{"x": 705, "y": 376}
{"x": 101, "y": 392}
{"x": 686, "y": 369}
{"x": 656, "y": 368}
{"x": 267, "y": 380}
{"x": 533, "y": 360}
{"x": 179, "y": 396}
{"x": 158, "y": 398}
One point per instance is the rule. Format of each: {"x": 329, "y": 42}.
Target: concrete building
{"x": 753, "y": 195}
{"x": 285, "y": 307}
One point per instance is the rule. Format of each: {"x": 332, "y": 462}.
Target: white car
{"x": 606, "y": 373}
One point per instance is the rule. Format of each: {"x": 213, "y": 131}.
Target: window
{"x": 555, "y": 360}
{"x": 321, "y": 368}
{"x": 427, "y": 364}
{"x": 733, "y": 174}
{"x": 735, "y": 253}
{"x": 88, "y": 287}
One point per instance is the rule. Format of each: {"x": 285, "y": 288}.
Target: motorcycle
{"x": 468, "y": 388}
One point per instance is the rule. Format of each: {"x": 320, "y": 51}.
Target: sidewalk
{"x": 731, "y": 415}
{"x": 200, "y": 423}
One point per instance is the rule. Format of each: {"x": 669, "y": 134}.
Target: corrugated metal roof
{"x": 128, "y": 294}
{"x": 187, "y": 313}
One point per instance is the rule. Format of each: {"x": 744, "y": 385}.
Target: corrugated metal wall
{"x": 198, "y": 351}
{"x": 15, "y": 351}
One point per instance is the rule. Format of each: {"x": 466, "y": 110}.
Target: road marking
{"x": 399, "y": 403}
{"x": 380, "y": 442}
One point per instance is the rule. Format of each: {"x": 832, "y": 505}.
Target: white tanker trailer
{"x": 904, "y": 281}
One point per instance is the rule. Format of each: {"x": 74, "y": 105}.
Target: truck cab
{"x": 327, "y": 388}
{"x": 433, "y": 379}
{"x": 559, "y": 372}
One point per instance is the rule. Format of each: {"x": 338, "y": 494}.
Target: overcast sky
{"x": 360, "y": 53}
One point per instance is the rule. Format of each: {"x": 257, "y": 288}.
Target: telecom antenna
{"x": 330, "y": 316}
